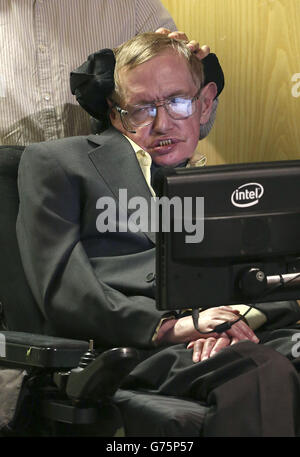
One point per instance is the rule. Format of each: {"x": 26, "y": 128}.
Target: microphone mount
{"x": 255, "y": 283}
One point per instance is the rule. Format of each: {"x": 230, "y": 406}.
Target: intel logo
{"x": 247, "y": 195}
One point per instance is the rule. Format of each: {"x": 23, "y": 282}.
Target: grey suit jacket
{"x": 88, "y": 284}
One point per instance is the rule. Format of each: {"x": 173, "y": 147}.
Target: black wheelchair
{"x": 60, "y": 387}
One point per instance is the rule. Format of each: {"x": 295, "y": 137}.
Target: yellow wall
{"x": 258, "y": 45}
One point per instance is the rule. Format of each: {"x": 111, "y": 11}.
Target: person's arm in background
{"x": 150, "y": 15}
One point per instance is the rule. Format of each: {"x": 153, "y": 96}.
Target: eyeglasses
{"x": 178, "y": 108}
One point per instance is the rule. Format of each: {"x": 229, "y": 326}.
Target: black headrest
{"x": 9, "y": 160}
{"x": 20, "y": 310}
{"x": 93, "y": 81}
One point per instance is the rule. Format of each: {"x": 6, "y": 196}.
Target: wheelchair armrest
{"x": 21, "y": 349}
{"x": 65, "y": 359}
{"x": 88, "y": 384}
{"x": 103, "y": 376}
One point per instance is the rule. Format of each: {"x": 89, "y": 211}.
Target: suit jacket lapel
{"x": 116, "y": 163}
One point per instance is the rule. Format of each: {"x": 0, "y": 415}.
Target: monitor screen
{"x": 228, "y": 234}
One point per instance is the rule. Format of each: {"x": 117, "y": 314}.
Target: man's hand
{"x": 183, "y": 331}
{"x": 200, "y": 52}
{"x": 204, "y": 348}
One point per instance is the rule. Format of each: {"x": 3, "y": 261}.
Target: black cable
{"x": 220, "y": 328}
{"x": 228, "y": 324}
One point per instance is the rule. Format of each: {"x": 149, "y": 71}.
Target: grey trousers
{"x": 248, "y": 389}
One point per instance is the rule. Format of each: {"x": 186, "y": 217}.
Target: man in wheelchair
{"x": 92, "y": 273}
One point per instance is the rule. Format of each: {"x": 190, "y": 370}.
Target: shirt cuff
{"x": 254, "y": 317}
{"x": 165, "y": 324}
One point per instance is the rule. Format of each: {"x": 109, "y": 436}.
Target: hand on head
{"x": 199, "y": 51}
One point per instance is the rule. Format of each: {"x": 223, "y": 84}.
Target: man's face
{"x": 168, "y": 141}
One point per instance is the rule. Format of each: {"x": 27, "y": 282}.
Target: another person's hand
{"x": 199, "y": 51}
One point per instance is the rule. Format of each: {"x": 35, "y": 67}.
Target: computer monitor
{"x": 246, "y": 242}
